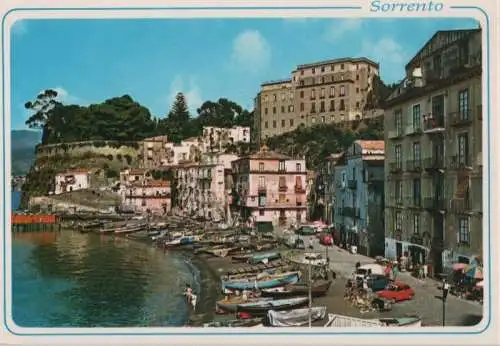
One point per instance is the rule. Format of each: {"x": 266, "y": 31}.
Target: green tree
{"x": 177, "y": 123}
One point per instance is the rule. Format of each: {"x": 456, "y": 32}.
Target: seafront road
{"x": 427, "y": 302}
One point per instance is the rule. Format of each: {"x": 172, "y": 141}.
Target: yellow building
{"x": 433, "y": 140}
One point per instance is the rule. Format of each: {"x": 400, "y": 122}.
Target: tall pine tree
{"x": 177, "y": 121}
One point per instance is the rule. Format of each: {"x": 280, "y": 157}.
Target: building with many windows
{"x": 433, "y": 141}
{"x": 323, "y": 92}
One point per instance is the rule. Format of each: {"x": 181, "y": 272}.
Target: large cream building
{"x": 433, "y": 141}
{"x": 323, "y": 92}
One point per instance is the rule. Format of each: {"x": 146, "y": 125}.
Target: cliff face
{"x": 107, "y": 157}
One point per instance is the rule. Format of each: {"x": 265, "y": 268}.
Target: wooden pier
{"x": 35, "y": 223}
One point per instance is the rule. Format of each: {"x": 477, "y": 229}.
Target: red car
{"x": 325, "y": 239}
{"x": 397, "y": 291}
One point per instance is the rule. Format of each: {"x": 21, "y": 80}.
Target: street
{"x": 427, "y": 302}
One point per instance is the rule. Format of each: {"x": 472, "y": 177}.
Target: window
{"x": 313, "y": 70}
{"x": 281, "y": 166}
{"x": 342, "y": 105}
{"x": 301, "y": 93}
{"x": 341, "y": 66}
{"x": 463, "y": 104}
{"x": 463, "y": 231}
{"x": 398, "y": 189}
{"x": 332, "y": 105}
{"x": 262, "y": 212}
{"x": 398, "y": 120}
{"x": 322, "y": 68}
{"x": 357, "y": 90}
{"x": 416, "y": 152}
{"x": 399, "y": 221}
{"x": 332, "y": 91}
{"x": 357, "y": 105}
{"x": 332, "y": 68}
{"x": 416, "y": 224}
{"x": 342, "y": 90}
{"x": 313, "y": 108}
{"x": 275, "y": 97}
{"x": 463, "y": 149}
{"x": 417, "y": 191}
{"x": 302, "y": 72}
{"x": 357, "y": 77}
{"x": 274, "y": 124}
{"x": 323, "y": 119}
{"x": 262, "y": 181}
{"x": 322, "y": 93}
{"x": 301, "y": 82}
{"x": 322, "y": 80}
{"x": 274, "y": 110}
{"x": 416, "y": 117}
{"x": 302, "y": 106}
{"x": 290, "y": 109}
{"x": 266, "y": 125}
{"x": 322, "y": 106}
{"x": 313, "y": 94}
{"x": 291, "y": 122}
{"x": 282, "y": 123}
{"x": 298, "y": 167}
{"x": 265, "y": 111}
{"x": 398, "y": 155}
{"x": 282, "y": 109}
{"x": 283, "y": 97}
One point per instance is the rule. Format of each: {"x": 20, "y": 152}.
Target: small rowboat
{"x": 270, "y": 281}
{"x": 295, "y": 318}
{"x": 250, "y": 322}
{"x": 319, "y": 288}
{"x": 263, "y": 306}
{"x": 231, "y": 304}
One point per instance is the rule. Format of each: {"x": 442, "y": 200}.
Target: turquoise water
{"x": 69, "y": 279}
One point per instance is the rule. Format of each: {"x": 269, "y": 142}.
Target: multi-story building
{"x": 73, "y": 180}
{"x": 270, "y": 189}
{"x": 215, "y": 139}
{"x": 323, "y": 92}
{"x": 148, "y": 196}
{"x": 152, "y": 151}
{"x": 360, "y": 201}
{"x": 189, "y": 149}
{"x": 433, "y": 136}
{"x": 201, "y": 190}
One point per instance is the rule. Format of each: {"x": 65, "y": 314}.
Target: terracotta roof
{"x": 157, "y": 183}
{"x": 371, "y": 145}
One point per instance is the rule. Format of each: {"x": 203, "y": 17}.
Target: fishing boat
{"x": 259, "y": 257}
{"x": 143, "y": 235}
{"x": 318, "y": 288}
{"x": 250, "y": 322}
{"x": 296, "y": 317}
{"x": 231, "y": 304}
{"x": 130, "y": 229}
{"x": 252, "y": 269}
{"x": 342, "y": 321}
{"x": 258, "y": 282}
{"x": 263, "y": 306}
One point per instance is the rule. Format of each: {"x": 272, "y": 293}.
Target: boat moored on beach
{"x": 318, "y": 288}
{"x": 261, "y": 282}
{"x": 296, "y": 317}
{"x": 342, "y": 321}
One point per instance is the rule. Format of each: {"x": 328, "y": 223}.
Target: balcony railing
{"x": 352, "y": 184}
{"x": 413, "y": 130}
{"x": 395, "y": 167}
{"x": 460, "y": 205}
{"x": 397, "y": 133}
{"x": 414, "y": 202}
{"x": 434, "y": 203}
{"x": 460, "y": 163}
{"x": 350, "y": 212}
{"x": 414, "y": 165}
{"x": 282, "y": 188}
{"x": 433, "y": 124}
{"x": 460, "y": 118}
{"x": 433, "y": 163}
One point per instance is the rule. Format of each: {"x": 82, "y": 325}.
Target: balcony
{"x": 414, "y": 166}
{"x": 352, "y": 184}
{"x": 437, "y": 204}
{"x": 461, "y": 206}
{"x": 461, "y": 118}
{"x": 395, "y": 134}
{"x": 460, "y": 163}
{"x": 262, "y": 189}
{"x": 433, "y": 124}
{"x": 282, "y": 188}
{"x": 299, "y": 189}
{"x": 413, "y": 130}
{"x": 395, "y": 167}
{"x": 414, "y": 202}
{"x": 433, "y": 163}
{"x": 350, "y": 212}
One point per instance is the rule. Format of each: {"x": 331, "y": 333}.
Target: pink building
{"x": 271, "y": 188}
{"x": 152, "y": 196}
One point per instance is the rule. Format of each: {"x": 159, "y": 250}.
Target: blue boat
{"x": 260, "y": 283}
{"x": 259, "y": 257}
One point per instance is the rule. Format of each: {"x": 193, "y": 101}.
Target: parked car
{"x": 306, "y": 230}
{"x": 397, "y": 291}
{"x": 325, "y": 239}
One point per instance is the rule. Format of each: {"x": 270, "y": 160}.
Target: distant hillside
{"x": 23, "y": 144}
{"x": 317, "y": 142}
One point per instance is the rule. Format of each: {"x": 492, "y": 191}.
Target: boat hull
{"x": 262, "y": 284}
{"x": 317, "y": 290}
{"x": 261, "y": 308}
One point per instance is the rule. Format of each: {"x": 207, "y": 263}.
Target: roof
{"x": 371, "y": 145}
{"x": 277, "y": 81}
{"x": 265, "y": 154}
{"x": 157, "y": 183}
{"x": 337, "y": 61}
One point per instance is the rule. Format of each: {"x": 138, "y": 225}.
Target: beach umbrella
{"x": 459, "y": 266}
{"x": 475, "y": 272}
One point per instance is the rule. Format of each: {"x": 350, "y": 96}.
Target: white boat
{"x": 342, "y": 321}
{"x": 296, "y": 317}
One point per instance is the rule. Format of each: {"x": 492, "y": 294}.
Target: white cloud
{"x": 65, "y": 97}
{"x": 191, "y": 91}
{"x": 338, "y": 29}
{"x": 389, "y": 53}
{"x": 251, "y": 51}
{"x": 19, "y": 28}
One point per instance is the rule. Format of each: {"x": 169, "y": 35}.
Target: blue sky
{"x": 88, "y": 61}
